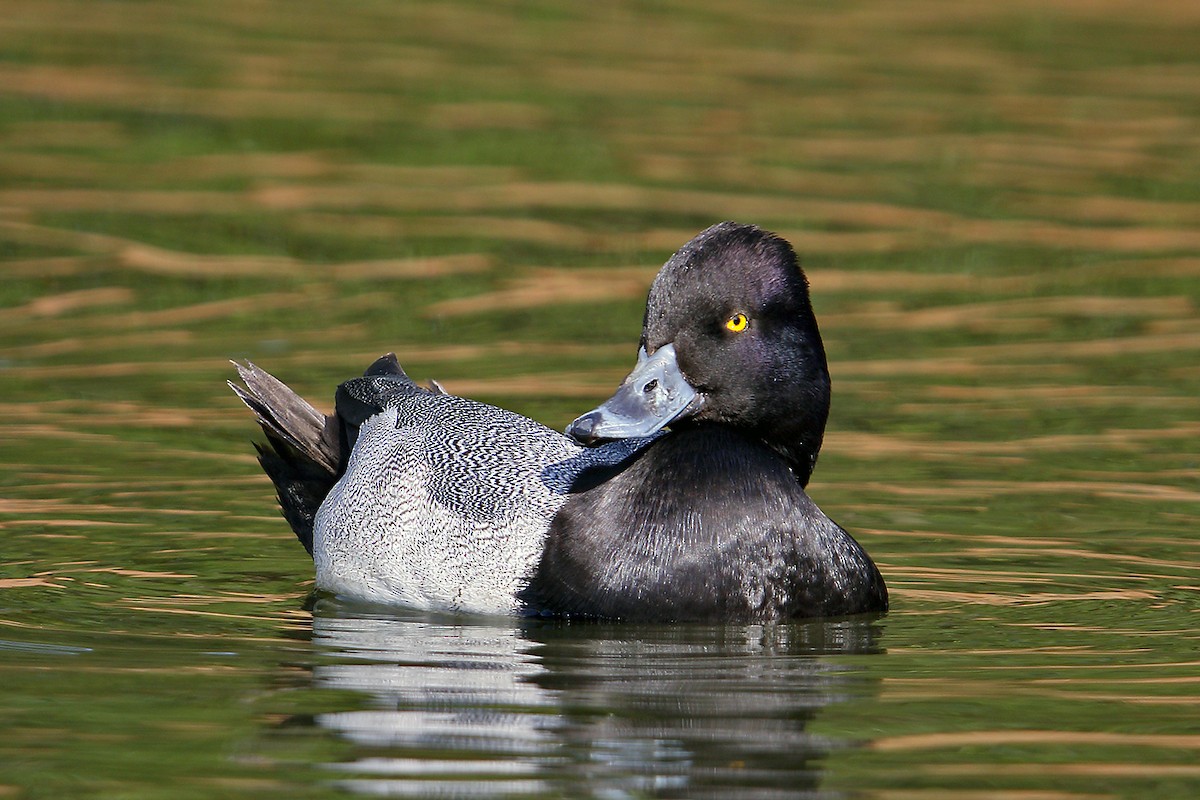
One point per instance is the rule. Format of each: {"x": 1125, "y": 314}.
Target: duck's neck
{"x": 797, "y": 448}
{"x": 796, "y": 429}
{"x": 800, "y": 452}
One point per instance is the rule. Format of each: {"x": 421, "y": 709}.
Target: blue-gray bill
{"x": 653, "y": 396}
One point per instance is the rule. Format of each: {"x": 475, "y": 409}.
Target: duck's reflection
{"x": 527, "y": 708}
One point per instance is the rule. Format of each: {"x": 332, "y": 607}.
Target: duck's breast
{"x": 704, "y": 524}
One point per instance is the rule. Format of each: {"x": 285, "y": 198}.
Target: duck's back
{"x": 704, "y": 524}
{"x": 445, "y": 501}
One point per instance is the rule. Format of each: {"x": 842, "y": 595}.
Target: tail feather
{"x": 306, "y": 451}
{"x": 303, "y": 455}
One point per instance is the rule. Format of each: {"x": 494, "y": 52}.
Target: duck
{"x": 680, "y": 498}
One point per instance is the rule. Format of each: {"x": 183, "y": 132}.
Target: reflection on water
{"x": 446, "y": 700}
{"x": 537, "y": 708}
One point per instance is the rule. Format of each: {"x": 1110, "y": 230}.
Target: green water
{"x": 997, "y": 205}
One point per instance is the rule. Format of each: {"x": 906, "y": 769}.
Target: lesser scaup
{"x": 687, "y": 503}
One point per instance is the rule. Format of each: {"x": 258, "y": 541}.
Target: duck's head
{"x": 729, "y": 338}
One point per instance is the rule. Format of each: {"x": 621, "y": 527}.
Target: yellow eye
{"x": 737, "y": 323}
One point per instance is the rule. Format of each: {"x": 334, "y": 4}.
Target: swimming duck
{"x": 679, "y": 498}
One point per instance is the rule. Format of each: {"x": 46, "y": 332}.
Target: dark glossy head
{"x": 729, "y": 338}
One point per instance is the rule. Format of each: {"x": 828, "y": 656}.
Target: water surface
{"x": 997, "y": 205}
